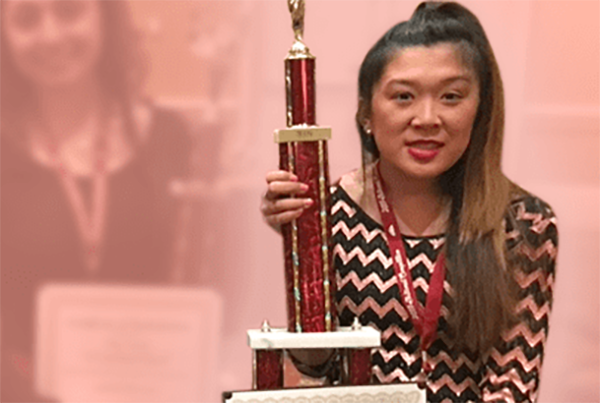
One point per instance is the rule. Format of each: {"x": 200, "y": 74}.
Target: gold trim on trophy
{"x": 299, "y": 49}
{"x": 324, "y": 235}
{"x": 295, "y": 255}
{"x": 288, "y": 94}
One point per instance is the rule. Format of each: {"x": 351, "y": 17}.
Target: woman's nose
{"x": 426, "y": 115}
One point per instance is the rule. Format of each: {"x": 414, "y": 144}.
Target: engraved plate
{"x": 302, "y": 133}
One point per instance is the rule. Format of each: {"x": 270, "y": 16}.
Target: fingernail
{"x": 308, "y": 202}
{"x": 304, "y": 187}
{"x": 294, "y": 178}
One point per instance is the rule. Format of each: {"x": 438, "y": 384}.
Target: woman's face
{"x": 423, "y": 109}
{"x": 53, "y": 42}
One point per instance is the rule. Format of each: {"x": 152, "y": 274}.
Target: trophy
{"x": 309, "y": 272}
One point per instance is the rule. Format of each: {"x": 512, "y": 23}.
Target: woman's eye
{"x": 404, "y": 97}
{"x": 452, "y": 97}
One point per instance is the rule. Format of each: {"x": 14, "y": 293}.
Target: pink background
{"x": 220, "y": 64}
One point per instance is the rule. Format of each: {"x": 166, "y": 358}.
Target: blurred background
{"x": 211, "y": 88}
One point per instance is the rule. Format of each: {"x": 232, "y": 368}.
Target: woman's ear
{"x": 366, "y": 125}
{"x": 362, "y": 116}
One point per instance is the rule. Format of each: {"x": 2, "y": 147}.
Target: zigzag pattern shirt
{"x": 367, "y": 289}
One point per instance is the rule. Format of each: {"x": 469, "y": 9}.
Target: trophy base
{"x": 269, "y": 344}
{"x": 343, "y": 337}
{"x": 405, "y": 393}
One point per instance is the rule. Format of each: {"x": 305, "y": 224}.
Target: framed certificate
{"x": 394, "y": 393}
{"x": 99, "y": 343}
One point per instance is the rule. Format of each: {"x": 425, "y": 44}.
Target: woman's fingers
{"x": 278, "y": 204}
{"x": 282, "y": 211}
{"x": 270, "y": 207}
{"x": 280, "y": 175}
{"x": 277, "y": 220}
{"x": 283, "y": 184}
{"x": 277, "y": 190}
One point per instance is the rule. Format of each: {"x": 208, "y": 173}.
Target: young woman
{"x": 431, "y": 218}
{"x": 86, "y": 164}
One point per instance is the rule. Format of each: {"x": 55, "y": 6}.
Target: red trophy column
{"x": 268, "y": 369}
{"x": 308, "y": 270}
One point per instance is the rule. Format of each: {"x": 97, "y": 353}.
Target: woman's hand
{"x": 279, "y": 206}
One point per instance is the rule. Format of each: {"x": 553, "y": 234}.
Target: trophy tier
{"x": 343, "y": 337}
{"x": 354, "y": 343}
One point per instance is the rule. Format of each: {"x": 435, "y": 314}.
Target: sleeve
{"x": 512, "y": 371}
{"x": 317, "y": 375}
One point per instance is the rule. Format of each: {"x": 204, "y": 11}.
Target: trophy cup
{"x": 309, "y": 272}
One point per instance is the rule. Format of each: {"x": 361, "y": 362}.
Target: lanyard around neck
{"x": 90, "y": 222}
{"x": 425, "y": 319}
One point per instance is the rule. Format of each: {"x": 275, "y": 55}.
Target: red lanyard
{"x": 425, "y": 320}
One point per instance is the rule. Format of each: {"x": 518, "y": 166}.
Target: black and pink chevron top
{"x": 367, "y": 289}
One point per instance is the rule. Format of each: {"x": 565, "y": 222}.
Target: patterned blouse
{"x": 367, "y": 289}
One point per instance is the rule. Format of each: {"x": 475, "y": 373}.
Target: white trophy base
{"x": 344, "y": 337}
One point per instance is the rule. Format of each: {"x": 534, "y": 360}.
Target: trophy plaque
{"x": 123, "y": 343}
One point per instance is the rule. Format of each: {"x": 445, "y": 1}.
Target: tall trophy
{"x": 309, "y": 272}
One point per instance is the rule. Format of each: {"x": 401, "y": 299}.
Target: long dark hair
{"x": 121, "y": 70}
{"x": 483, "y": 301}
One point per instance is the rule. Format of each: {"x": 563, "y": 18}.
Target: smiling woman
{"x": 433, "y": 245}
{"x": 422, "y": 112}
{"x": 54, "y": 42}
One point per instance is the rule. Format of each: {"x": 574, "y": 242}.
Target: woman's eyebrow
{"x": 463, "y": 77}
{"x": 415, "y": 83}
{"x": 401, "y": 81}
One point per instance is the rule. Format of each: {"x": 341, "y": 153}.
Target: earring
{"x": 367, "y": 129}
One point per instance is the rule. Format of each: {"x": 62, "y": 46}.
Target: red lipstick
{"x": 424, "y": 150}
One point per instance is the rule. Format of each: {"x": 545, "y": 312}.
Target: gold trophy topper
{"x": 296, "y": 8}
{"x": 299, "y": 49}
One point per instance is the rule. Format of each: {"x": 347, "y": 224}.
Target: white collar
{"x": 77, "y": 152}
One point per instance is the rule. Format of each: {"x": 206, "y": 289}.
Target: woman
{"x": 86, "y": 164}
{"x": 431, "y": 215}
